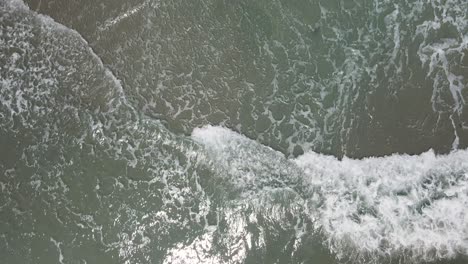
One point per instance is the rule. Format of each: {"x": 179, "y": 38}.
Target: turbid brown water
{"x": 189, "y": 131}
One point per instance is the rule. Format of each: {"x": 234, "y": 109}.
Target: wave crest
{"x": 399, "y": 206}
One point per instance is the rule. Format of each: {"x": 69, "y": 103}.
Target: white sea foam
{"x": 57, "y": 245}
{"x": 116, "y": 20}
{"x": 395, "y": 206}
{"x": 253, "y": 167}
{"x": 16, "y": 4}
{"x": 372, "y": 207}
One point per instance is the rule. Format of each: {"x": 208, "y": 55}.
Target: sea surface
{"x": 233, "y": 131}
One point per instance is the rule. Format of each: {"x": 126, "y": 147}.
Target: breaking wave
{"x": 398, "y": 206}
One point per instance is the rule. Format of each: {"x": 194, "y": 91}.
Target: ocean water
{"x": 246, "y": 131}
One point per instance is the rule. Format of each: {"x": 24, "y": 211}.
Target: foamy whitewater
{"x": 414, "y": 207}
{"x": 107, "y": 155}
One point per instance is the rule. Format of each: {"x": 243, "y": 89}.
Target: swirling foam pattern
{"x": 97, "y": 102}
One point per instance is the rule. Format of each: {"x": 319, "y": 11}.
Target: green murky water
{"x": 190, "y": 131}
